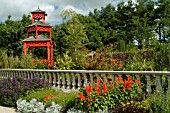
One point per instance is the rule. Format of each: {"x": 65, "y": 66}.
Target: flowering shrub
{"x": 11, "y": 89}
{"x": 132, "y": 107}
{"x": 106, "y": 95}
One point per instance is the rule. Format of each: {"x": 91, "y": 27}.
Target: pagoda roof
{"x": 39, "y": 23}
{"x": 40, "y": 38}
{"x": 38, "y": 11}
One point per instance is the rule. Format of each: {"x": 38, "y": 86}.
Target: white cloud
{"x": 16, "y": 8}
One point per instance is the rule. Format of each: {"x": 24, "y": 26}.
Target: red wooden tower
{"x": 39, "y": 40}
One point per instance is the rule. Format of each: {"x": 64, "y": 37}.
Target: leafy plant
{"x": 132, "y": 106}
{"x": 65, "y": 63}
{"x": 160, "y": 102}
{"x": 47, "y": 96}
{"x": 103, "y": 96}
{"x": 33, "y": 106}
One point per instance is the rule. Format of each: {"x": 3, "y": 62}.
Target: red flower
{"x": 97, "y": 92}
{"x": 90, "y": 99}
{"x": 111, "y": 85}
{"x": 123, "y": 89}
{"x": 138, "y": 81}
{"x": 91, "y": 88}
{"x": 140, "y": 86}
{"x": 117, "y": 84}
{"x": 98, "y": 82}
{"x": 120, "y": 79}
{"x": 129, "y": 83}
{"x": 124, "y": 83}
{"x": 45, "y": 98}
{"x": 105, "y": 88}
{"x": 87, "y": 90}
{"x": 88, "y": 105}
{"x": 82, "y": 97}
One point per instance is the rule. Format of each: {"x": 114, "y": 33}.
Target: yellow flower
{"x": 123, "y": 104}
{"x": 128, "y": 103}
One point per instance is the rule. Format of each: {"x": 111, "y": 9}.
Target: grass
{"x": 47, "y": 96}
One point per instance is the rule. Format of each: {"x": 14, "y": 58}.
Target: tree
{"x": 12, "y": 33}
{"x": 162, "y": 15}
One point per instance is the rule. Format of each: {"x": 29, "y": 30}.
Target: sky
{"x": 16, "y": 8}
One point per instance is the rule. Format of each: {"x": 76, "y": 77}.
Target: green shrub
{"x": 160, "y": 102}
{"x": 105, "y": 96}
{"x": 132, "y": 107}
{"x": 48, "y": 96}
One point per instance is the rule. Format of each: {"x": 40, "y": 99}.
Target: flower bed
{"x": 124, "y": 95}
{"x": 11, "y": 89}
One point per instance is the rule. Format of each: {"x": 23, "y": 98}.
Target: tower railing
{"x": 75, "y": 79}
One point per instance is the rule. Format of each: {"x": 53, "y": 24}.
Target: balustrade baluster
{"x": 79, "y": 81}
{"x": 28, "y": 75}
{"x": 85, "y": 80}
{"x": 148, "y": 88}
{"x": 74, "y": 81}
{"x": 4, "y": 74}
{"x": 42, "y": 75}
{"x": 7, "y": 74}
{"x": 58, "y": 80}
{"x": 36, "y": 75}
{"x": 158, "y": 83}
{"x": 105, "y": 77}
{"x": 54, "y": 79}
{"x": 32, "y": 74}
{"x": 68, "y": 81}
{"x": 91, "y": 78}
{"x": 63, "y": 81}
{"x": 98, "y": 76}
{"x": 138, "y": 77}
{"x": 50, "y": 78}
{"x": 21, "y": 75}
{"x": 113, "y": 78}
{"x": 18, "y": 72}
{"x": 46, "y": 76}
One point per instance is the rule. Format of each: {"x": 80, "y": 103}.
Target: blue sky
{"x": 16, "y": 8}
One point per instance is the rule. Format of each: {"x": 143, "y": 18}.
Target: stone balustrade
{"x": 75, "y": 79}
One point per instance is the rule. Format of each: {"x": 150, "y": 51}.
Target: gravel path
{"x": 7, "y": 110}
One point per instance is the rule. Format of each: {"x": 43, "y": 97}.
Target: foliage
{"x": 36, "y": 107}
{"x": 11, "y": 89}
{"x": 103, "y": 96}
{"x": 11, "y": 35}
{"x": 132, "y": 107}
{"x": 15, "y": 62}
{"x": 144, "y": 25}
{"x": 160, "y": 101}
{"x": 66, "y": 100}
{"x": 64, "y": 63}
